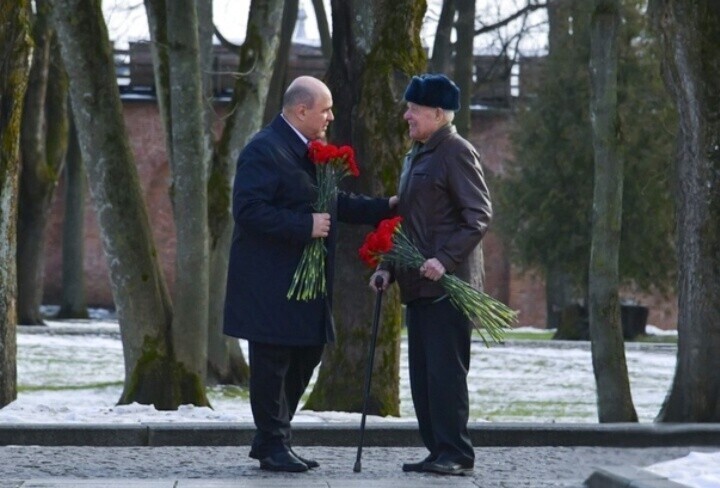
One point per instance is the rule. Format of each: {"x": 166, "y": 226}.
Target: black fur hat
{"x": 433, "y": 90}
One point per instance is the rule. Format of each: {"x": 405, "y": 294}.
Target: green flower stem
{"x": 309, "y": 280}
{"x": 489, "y": 316}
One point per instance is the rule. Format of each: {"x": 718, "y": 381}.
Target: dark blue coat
{"x": 273, "y": 194}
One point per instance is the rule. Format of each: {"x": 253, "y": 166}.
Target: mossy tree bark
{"x": 44, "y": 141}
{"x": 73, "y": 303}
{"x": 189, "y": 181}
{"x": 373, "y": 59}
{"x": 14, "y": 68}
{"x": 689, "y": 32}
{"x": 614, "y": 399}
{"x": 152, "y": 373}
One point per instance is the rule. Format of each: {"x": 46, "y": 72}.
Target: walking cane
{"x": 368, "y": 372}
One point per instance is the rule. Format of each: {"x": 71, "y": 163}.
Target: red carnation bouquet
{"x": 388, "y": 243}
{"x": 332, "y": 164}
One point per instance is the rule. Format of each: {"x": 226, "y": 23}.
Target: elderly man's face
{"x": 422, "y": 121}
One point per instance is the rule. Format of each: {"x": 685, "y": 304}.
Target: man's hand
{"x": 385, "y": 275}
{"x": 432, "y": 269}
{"x": 321, "y": 225}
{"x": 393, "y": 201}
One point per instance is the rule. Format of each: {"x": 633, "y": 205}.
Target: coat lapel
{"x": 293, "y": 144}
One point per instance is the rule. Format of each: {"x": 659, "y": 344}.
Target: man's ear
{"x": 300, "y": 111}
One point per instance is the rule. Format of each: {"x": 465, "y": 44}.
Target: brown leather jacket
{"x": 446, "y": 209}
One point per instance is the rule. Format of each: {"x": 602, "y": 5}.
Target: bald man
{"x": 273, "y": 195}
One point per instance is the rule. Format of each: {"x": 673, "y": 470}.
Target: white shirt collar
{"x": 302, "y": 137}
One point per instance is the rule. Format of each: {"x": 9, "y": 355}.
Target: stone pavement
{"x": 215, "y": 456}
{"x": 225, "y": 467}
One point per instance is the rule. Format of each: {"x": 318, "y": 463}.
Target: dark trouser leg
{"x": 439, "y": 358}
{"x": 305, "y": 359}
{"x": 418, "y": 376}
{"x": 296, "y": 381}
{"x": 278, "y": 377}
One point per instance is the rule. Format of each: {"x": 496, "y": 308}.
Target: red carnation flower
{"x": 389, "y": 244}
{"x": 332, "y": 164}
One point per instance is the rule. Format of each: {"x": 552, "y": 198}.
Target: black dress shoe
{"x": 448, "y": 467}
{"x": 417, "y": 467}
{"x": 311, "y": 463}
{"x": 283, "y": 461}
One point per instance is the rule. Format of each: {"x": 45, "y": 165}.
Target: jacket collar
{"x": 437, "y": 137}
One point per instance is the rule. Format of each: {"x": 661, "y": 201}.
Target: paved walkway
{"x": 225, "y": 467}
{"x": 178, "y": 455}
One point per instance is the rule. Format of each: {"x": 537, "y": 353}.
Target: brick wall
{"x": 147, "y": 141}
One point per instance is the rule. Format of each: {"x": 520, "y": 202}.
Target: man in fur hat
{"x": 446, "y": 209}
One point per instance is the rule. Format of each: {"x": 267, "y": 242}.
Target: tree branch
{"x": 523, "y": 11}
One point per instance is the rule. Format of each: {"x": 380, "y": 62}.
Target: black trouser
{"x": 439, "y": 358}
{"x": 278, "y": 378}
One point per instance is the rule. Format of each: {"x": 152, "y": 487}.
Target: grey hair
{"x": 449, "y": 115}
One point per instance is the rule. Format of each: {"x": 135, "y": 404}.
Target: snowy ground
{"x": 73, "y": 372}
{"x": 696, "y": 470}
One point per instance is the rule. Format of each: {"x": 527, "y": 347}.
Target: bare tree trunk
{"x": 73, "y": 303}
{"x": 278, "y": 81}
{"x": 181, "y": 85}
{"x": 207, "y": 59}
{"x": 614, "y": 399}
{"x": 33, "y": 181}
{"x": 225, "y": 361}
{"x": 259, "y": 52}
{"x": 152, "y": 375}
{"x": 371, "y": 65}
{"x": 464, "y": 62}
{"x": 159, "y": 50}
{"x": 689, "y": 32}
{"x": 189, "y": 327}
{"x": 207, "y": 75}
{"x": 16, "y": 43}
{"x": 441, "y": 60}
{"x": 44, "y": 141}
